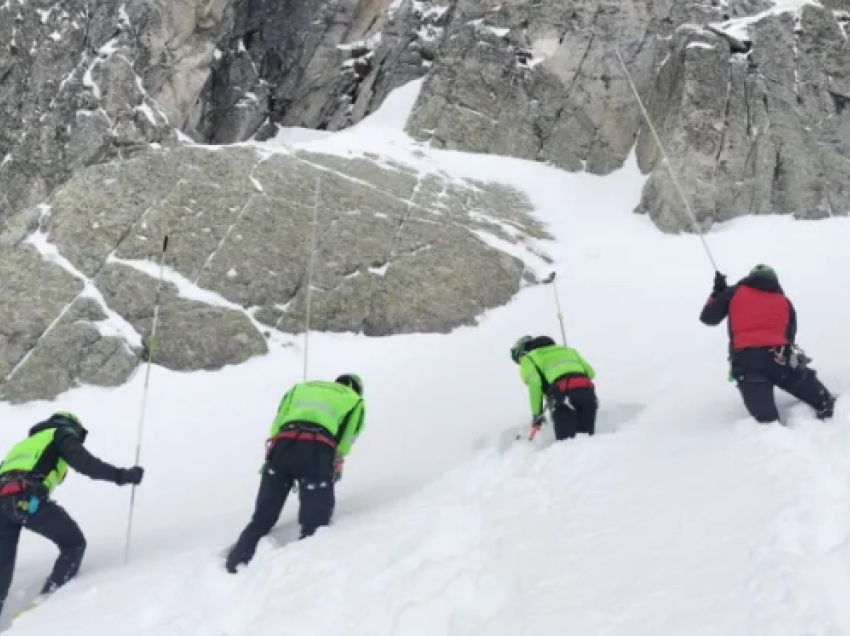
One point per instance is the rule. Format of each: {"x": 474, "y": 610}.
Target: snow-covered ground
{"x": 680, "y": 517}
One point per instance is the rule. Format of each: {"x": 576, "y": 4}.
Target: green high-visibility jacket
{"x": 334, "y": 407}
{"x": 28, "y": 456}
{"x": 541, "y": 367}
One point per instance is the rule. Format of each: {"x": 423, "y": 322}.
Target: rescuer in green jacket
{"x": 316, "y": 425}
{"x": 29, "y": 474}
{"x": 558, "y": 376}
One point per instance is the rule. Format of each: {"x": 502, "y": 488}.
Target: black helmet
{"x": 69, "y": 420}
{"x": 63, "y": 417}
{"x": 352, "y": 381}
{"x": 764, "y": 270}
{"x": 519, "y": 348}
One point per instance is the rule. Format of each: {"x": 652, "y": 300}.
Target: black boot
{"x": 827, "y": 410}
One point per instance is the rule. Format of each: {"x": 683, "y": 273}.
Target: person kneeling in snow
{"x": 564, "y": 378}
{"x": 29, "y": 475}
{"x": 762, "y": 353}
{"x": 316, "y": 425}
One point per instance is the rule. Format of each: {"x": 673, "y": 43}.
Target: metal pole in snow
{"x": 550, "y": 280}
{"x": 151, "y": 350}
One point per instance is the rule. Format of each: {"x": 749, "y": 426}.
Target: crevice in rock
{"x": 841, "y": 102}
{"x": 569, "y": 90}
{"x": 361, "y": 182}
{"x": 647, "y": 35}
{"x": 778, "y": 170}
{"x": 224, "y": 238}
{"x": 726, "y": 113}
{"x": 5, "y": 73}
{"x": 752, "y": 151}
{"x": 652, "y": 86}
{"x": 131, "y": 226}
{"x": 50, "y": 327}
{"x": 750, "y": 126}
{"x": 303, "y": 279}
{"x": 754, "y": 187}
{"x": 74, "y": 371}
{"x": 736, "y": 45}
{"x": 392, "y": 253}
{"x": 797, "y": 68}
{"x": 821, "y": 176}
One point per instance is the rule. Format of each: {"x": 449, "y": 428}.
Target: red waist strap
{"x": 13, "y": 488}
{"x": 305, "y": 435}
{"x": 575, "y": 382}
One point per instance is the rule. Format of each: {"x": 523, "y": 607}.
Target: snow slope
{"x": 681, "y": 517}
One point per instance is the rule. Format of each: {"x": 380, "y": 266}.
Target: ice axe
{"x": 535, "y": 428}
{"x": 550, "y": 280}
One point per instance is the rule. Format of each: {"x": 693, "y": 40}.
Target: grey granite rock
{"x": 395, "y": 252}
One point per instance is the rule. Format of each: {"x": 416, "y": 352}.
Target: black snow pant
{"x": 50, "y": 521}
{"x": 758, "y": 371}
{"x": 309, "y": 464}
{"x": 573, "y": 411}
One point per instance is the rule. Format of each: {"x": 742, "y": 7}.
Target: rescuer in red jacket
{"x": 762, "y": 353}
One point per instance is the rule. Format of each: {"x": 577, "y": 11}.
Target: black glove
{"x": 130, "y": 476}
{"x": 719, "y": 283}
{"x": 539, "y": 421}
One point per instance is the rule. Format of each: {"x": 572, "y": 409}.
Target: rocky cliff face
{"x": 87, "y": 81}
{"x": 322, "y": 65}
{"x": 108, "y": 107}
{"x": 777, "y": 141}
{"x": 750, "y": 101}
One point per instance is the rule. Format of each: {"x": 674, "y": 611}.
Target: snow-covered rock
{"x": 750, "y": 97}
{"x": 761, "y": 132}
{"x": 315, "y": 64}
{"x": 397, "y": 251}
{"x": 84, "y": 82}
